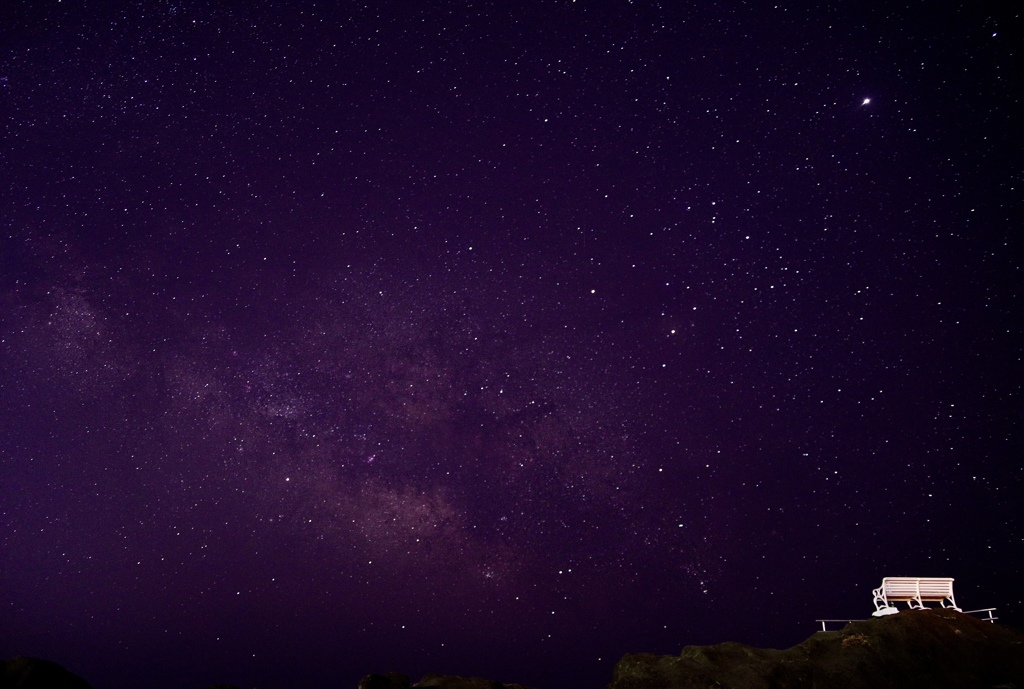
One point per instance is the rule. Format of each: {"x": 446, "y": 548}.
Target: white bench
{"x": 914, "y": 591}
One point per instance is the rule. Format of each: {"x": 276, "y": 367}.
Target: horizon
{"x": 498, "y": 340}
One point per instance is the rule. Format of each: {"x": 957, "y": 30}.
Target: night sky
{"x": 498, "y": 338}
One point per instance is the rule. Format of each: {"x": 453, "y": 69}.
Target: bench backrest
{"x": 917, "y": 588}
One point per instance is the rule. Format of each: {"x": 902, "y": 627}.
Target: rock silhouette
{"x": 915, "y": 649}
{"x": 33, "y": 673}
{"x": 399, "y": 681}
{"x": 391, "y": 680}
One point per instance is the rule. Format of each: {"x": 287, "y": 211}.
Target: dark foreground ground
{"x": 930, "y": 649}
{"x": 919, "y": 648}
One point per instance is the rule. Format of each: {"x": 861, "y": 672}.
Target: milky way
{"x": 497, "y": 340}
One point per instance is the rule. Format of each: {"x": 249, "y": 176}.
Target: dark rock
{"x": 391, "y": 680}
{"x": 915, "y": 649}
{"x": 32, "y": 673}
{"x": 454, "y": 682}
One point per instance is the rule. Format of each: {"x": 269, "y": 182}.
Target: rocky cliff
{"x": 926, "y": 649}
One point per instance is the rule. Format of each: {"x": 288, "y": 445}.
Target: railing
{"x": 824, "y": 622}
{"x": 989, "y": 617}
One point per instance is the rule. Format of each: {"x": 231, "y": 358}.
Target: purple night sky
{"x": 498, "y": 338}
